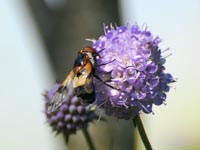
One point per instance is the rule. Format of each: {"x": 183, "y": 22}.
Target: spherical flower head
{"x": 71, "y": 115}
{"x": 132, "y": 72}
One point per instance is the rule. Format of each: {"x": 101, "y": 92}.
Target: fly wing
{"x": 57, "y": 100}
{"x": 64, "y": 93}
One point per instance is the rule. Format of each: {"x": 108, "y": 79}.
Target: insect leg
{"x": 105, "y": 82}
{"x": 105, "y": 63}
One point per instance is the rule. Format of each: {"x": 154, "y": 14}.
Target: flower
{"x": 70, "y": 116}
{"x": 132, "y": 72}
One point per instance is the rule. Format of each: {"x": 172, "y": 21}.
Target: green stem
{"x": 88, "y": 139}
{"x": 142, "y": 133}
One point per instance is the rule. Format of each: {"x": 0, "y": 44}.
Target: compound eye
{"x": 79, "y": 60}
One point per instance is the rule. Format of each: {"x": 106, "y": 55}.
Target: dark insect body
{"x": 78, "y": 81}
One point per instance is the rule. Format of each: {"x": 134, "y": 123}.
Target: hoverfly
{"x": 79, "y": 80}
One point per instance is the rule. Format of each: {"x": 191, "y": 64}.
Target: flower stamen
{"x": 137, "y": 77}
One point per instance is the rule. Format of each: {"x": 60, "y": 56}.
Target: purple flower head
{"x": 131, "y": 65}
{"x": 71, "y": 115}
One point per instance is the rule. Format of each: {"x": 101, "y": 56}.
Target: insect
{"x": 79, "y": 80}
{"x": 84, "y": 68}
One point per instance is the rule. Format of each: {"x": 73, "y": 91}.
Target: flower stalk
{"x": 138, "y": 123}
{"x": 88, "y": 139}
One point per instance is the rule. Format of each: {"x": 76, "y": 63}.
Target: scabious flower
{"x": 131, "y": 65}
{"x": 70, "y": 116}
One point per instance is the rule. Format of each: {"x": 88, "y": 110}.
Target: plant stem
{"x": 142, "y": 133}
{"x": 88, "y": 139}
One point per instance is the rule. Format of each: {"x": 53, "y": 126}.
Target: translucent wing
{"x": 57, "y": 100}
{"x": 65, "y": 92}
